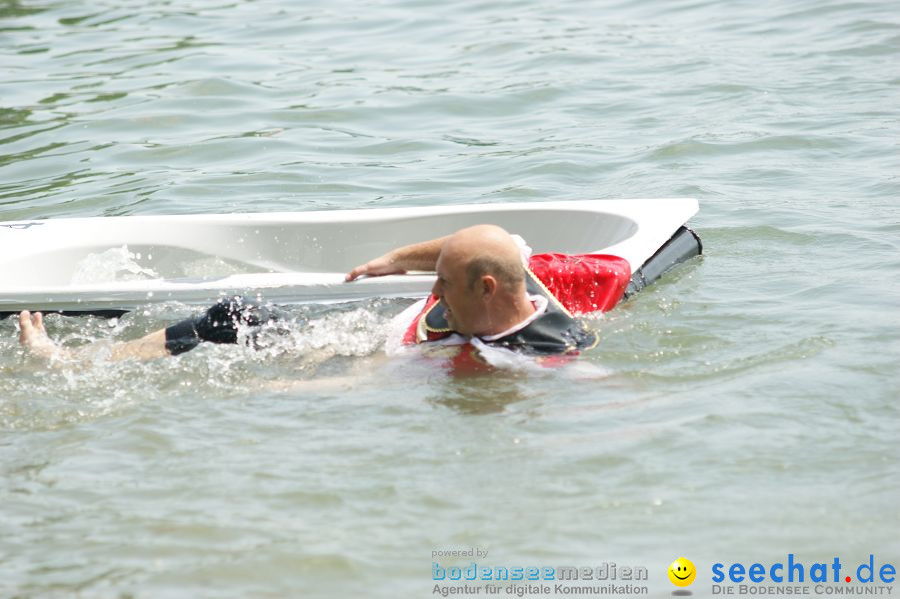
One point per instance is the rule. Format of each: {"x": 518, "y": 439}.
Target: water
{"x": 740, "y": 409}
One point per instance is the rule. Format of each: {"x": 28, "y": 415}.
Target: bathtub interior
{"x": 191, "y": 250}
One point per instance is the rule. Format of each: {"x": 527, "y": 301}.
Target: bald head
{"x": 486, "y": 250}
{"x": 481, "y": 281}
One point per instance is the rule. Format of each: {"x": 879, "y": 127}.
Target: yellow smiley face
{"x": 682, "y": 572}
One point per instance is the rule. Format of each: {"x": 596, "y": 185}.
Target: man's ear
{"x": 488, "y": 286}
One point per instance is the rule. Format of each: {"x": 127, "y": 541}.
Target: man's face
{"x": 463, "y": 310}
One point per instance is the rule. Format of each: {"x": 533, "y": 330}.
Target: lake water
{"x": 739, "y": 410}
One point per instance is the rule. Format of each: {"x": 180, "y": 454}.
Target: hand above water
{"x": 383, "y": 265}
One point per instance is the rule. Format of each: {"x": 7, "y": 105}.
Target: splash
{"x": 114, "y": 264}
{"x": 308, "y": 344}
{"x": 351, "y": 330}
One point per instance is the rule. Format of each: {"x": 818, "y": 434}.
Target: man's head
{"x": 481, "y": 280}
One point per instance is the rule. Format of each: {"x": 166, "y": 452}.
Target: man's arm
{"x": 219, "y": 324}
{"x": 33, "y": 337}
{"x": 418, "y": 256}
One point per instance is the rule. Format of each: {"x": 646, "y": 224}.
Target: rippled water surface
{"x": 740, "y": 409}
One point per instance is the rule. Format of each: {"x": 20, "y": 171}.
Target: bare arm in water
{"x": 33, "y": 337}
{"x": 418, "y": 256}
{"x": 218, "y": 324}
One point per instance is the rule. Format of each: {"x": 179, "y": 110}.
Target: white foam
{"x": 114, "y": 264}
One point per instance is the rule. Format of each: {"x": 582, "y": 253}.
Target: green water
{"x": 739, "y": 410}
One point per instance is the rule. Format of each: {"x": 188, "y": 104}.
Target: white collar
{"x": 540, "y": 306}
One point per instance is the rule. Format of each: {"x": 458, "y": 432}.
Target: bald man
{"x": 480, "y": 277}
{"x": 486, "y": 293}
{"x": 489, "y": 291}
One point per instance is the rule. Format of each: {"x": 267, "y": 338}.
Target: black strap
{"x": 181, "y": 337}
{"x": 219, "y": 324}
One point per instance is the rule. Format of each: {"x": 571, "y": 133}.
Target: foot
{"x": 33, "y": 336}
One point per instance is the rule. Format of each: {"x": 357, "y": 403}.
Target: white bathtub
{"x": 294, "y": 257}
